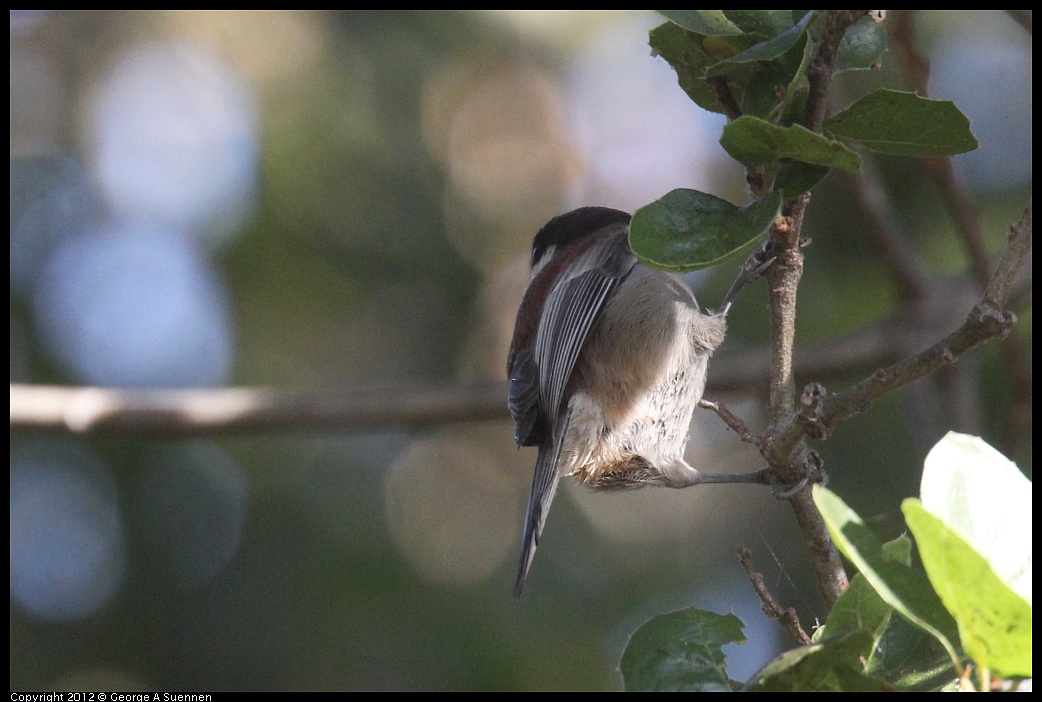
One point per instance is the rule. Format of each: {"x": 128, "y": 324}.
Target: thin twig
{"x": 733, "y": 421}
{"x": 786, "y": 617}
{"x": 722, "y": 90}
{"x": 822, "y": 67}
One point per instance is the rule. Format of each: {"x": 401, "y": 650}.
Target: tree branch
{"x": 988, "y": 318}
{"x": 787, "y": 618}
{"x": 789, "y": 458}
{"x": 195, "y": 412}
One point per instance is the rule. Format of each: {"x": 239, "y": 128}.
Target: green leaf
{"x": 789, "y": 110}
{"x": 753, "y": 141}
{"x": 683, "y": 50}
{"x": 910, "y": 659}
{"x": 904, "y": 124}
{"x": 772, "y": 48}
{"x": 862, "y": 46}
{"x": 681, "y": 651}
{"x": 761, "y": 76}
{"x": 836, "y": 665}
{"x": 686, "y": 230}
{"x": 794, "y": 178}
{"x": 706, "y": 64}
{"x": 899, "y": 550}
{"x": 904, "y": 588}
{"x": 705, "y": 22}
{"x": 983, "y": 497}
{"x": 994, "y": 622}
{"x": 769, "y": 23}
{"x": 859, "y": 608}
{"x": 761, "y": 92}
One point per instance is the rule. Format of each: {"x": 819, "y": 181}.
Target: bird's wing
{"x": 571, "y": 310}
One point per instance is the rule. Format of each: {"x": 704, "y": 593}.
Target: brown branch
{"x": 988, "y": 319}
{"x": 722, "y": 91}
{"x": 823, "y": 66}
{"x": 786, "y": 617}
{"x": 195, "y": 412}
{"x": 733, "y": 421}
{"x": 783, "y": 279}
{"x": 964, "y": 213}
{"x": 198, "y": 411}
{"x": 789, "y": 458}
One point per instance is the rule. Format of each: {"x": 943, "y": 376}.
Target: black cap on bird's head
{"x": 572, "y": 226}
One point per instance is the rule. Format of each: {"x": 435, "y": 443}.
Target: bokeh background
{"x": 310, "y": 199}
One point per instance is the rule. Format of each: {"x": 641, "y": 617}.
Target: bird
{"x": 608, "y": 359}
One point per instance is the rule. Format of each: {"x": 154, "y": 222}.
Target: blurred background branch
{"x": 202, "y": 412}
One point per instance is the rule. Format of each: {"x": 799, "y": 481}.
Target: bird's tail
{"x": 544, "y": 485}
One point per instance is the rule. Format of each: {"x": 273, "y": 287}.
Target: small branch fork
{"x": 786, "y": 617}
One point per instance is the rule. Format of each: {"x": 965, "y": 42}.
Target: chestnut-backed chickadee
{"x": 607, "y": 363}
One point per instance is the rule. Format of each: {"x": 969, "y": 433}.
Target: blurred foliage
{"x": 404, "y": 161}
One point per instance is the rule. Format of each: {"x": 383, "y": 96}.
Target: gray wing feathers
{"x": 523, "y": 395}
{"x": 569, "y": 314}
{"x": 544, "y": 485}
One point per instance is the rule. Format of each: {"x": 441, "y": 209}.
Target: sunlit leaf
{"x": 904, "y": 588}
{"x": 983, "y": 497}
{"x": 994, "y": 622}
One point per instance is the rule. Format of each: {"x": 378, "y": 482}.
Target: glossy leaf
{"x": 686, "y": 229}
{"x": 910, "y": 659}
